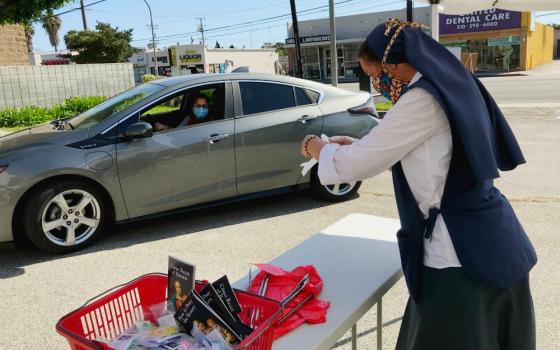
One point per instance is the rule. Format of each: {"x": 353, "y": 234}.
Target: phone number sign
{"x": 479, "y": 21}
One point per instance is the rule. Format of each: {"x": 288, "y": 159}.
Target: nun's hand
{"x": 342, "y": 140}
{"x": 311, "y": 146}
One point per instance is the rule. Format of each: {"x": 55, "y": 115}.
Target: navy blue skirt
{"x": 454, "y": 313}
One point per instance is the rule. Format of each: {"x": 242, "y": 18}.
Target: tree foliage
{"x": 280, "y": 49}
{"x": 14, "y": 11}
{"x": 217, "y": 46}
{"x": 52, "y": 24}
{"x": 104, "y": 45}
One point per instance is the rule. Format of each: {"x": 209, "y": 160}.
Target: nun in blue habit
{"x": 465, "y": 256}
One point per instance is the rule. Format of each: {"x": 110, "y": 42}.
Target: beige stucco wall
{"x": 258, "y": 60}
{"x": 14, "y": 47}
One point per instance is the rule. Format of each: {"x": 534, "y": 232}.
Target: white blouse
{"x": 417, "y": 133}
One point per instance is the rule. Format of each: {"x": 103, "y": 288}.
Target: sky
{"x": 176, "y": 21}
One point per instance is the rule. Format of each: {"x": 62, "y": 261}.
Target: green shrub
{"x": 29, "y": 116}
{"x": 79, "y": 104}
{"x": 149, "y": 77}
{"x": 25, "y": 116}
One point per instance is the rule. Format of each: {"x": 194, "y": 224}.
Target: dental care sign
{"x": 479, "y": 21}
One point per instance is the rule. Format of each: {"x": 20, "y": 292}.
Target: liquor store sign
{"x": 191, "y": 56}
{"x": 479, "y": 21}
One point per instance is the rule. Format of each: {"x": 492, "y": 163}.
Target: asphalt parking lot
{"x": 36, "y": 289}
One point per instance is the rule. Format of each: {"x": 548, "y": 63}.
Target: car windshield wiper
{"x": 61, "y": 124}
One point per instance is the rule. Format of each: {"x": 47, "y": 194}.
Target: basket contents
{"x": 145, "y": 335}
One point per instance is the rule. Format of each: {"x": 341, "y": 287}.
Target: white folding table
{"x": 358, "y": 259}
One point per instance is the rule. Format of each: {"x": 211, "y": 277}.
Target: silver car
{"x": 64, "y": 183}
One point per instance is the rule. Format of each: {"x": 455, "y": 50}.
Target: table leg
{"x": 379, "y": 324}
{"x": 354, "y": 337}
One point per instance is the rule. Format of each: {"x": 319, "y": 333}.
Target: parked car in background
{"x": 62, "y": 184}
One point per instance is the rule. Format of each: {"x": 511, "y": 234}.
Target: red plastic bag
{"x": 281, "y": 283}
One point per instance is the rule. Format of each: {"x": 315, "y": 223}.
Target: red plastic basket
{"x": 111, "y": 313}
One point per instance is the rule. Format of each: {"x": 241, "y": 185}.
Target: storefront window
{"x": 496, "y": 55}
{"x": 351, "y": 63}
{"x": 310, "y": 63}
{"x": 340, "y": 59}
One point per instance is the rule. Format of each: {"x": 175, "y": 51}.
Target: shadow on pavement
{"x": 366, "y": 332}
{"x": 14, "y": 260}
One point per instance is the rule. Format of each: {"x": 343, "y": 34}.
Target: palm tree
{"x": 29, "y": 32}
{"x": 52, "y": 24}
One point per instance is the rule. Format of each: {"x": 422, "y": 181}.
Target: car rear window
{"x": 314, "y": 95}
{"x": 301, "y": 97}
{"x": 259, "y": 97}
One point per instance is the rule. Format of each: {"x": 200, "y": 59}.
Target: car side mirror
{"x": 138, "y": 130}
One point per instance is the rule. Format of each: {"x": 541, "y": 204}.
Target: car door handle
{"x": 307, "y": 118}
{"x": 216, "y": 138}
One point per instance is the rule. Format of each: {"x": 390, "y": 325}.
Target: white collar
{"x": 415, "y": 78}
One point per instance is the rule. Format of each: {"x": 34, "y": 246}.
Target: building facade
{"x": 350, "y": 33}
{"x": 556, "y": 43}
{"x": 486, "y": 41}
{"x": 193, "y": 59}
{"x": 14, "y": 45}
{"x": 498, "y": 40}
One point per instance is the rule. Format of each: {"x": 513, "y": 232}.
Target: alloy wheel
{"x": 71, "y": 217}
{"x": 340, "y": 189}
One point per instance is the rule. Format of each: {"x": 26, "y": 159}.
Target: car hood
{"x": 42, "y": 137}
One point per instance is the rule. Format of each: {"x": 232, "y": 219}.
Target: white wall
{"x": 258, "y": 60}
{"x": 45, "y": 86}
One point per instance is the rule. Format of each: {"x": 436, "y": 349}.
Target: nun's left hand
{"x": 311, "y": 146}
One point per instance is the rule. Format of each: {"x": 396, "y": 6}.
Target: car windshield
{"x": 113, "y": 105}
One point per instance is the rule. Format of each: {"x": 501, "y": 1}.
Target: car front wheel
{"x": 333, "y": 193}
{"x": 66, "y": 216}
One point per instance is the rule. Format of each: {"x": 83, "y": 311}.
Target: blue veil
{"x": 487, "y": 139}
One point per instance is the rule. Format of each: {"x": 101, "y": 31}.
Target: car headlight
{"x": 3, "y": 167}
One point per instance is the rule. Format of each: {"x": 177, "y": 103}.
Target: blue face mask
{"x": 200, "y": 112}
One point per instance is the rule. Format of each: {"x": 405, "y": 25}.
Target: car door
{"x": 272, "y": 120}
{"x": 181, "y": 166}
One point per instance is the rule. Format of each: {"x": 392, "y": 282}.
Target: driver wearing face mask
{"x": 198, "y": 113}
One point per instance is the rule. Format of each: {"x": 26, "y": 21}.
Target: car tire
{"x": 333, "y": 193}
{"x": 49, "y": 226}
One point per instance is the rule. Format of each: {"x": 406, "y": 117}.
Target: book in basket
{"x": 211, "y": 298}
{"x": 201, "y": 322}
{"x": 180, "y": 282}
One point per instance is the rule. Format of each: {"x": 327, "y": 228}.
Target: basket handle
{"x": 102, "y": 294}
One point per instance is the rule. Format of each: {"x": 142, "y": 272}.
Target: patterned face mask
{"x": 390, "y": 86}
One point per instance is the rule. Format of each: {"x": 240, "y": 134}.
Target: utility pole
{"x": 201, "y": 30}
{"x": 153, "y": 37}
{"x": 298, "y": 70}
{"x": 409, "y": 6}
{"x": 334, "y": 53}
{"x": 434, "y": 10}
{"x": 83, "y": 14}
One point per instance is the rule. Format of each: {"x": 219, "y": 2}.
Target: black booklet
{"x": 226, "y": 293}
{"x": 202, "y": 323}
{"x": 180, "y": 282}
{"x": 210, "y": 296}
